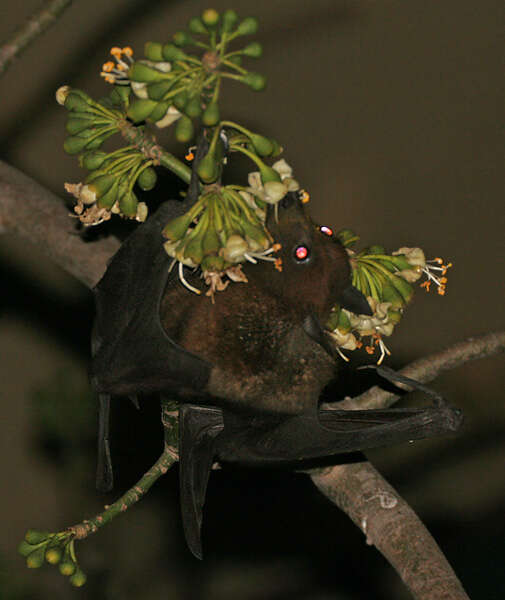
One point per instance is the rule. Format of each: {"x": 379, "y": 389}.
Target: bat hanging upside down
{"x": 248, "y": 368}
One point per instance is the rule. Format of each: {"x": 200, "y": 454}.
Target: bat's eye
{"x": 326, "y": 230}
{"x": 301, "y": 253}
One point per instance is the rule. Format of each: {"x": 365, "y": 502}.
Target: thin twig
{"x": 35, "y": 26}
{"x": 135, "y": 493}
{"x": 428, "y": 368}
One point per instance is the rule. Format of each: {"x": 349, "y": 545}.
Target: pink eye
{"x": 327, "y": 230}
{"x": 301, "y": 252}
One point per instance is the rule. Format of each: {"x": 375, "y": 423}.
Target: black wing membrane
{"x": 208, "y": 434}
{"x": 132, "y": 352}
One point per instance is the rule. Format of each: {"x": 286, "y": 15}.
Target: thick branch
{"x": 393, "y": 527}
{"x": 35, "y": 26}
{"x": 38, "y": 216}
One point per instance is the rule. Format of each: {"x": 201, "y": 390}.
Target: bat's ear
{"x": 353, "y": 300}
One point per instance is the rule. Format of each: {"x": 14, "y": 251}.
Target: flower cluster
{"x": 55, "y": 549}
{"x": 171, "y": 84}
{"x": 386, "y": 282}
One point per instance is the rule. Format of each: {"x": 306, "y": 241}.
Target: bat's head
{"x": 313, "y": 273}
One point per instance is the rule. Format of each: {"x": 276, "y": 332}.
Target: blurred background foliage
{"x": 390, "y": 115}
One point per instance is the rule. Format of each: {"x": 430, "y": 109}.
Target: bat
{"x": 247, "y": 369}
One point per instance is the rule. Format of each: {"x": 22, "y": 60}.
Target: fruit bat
{"x": 247, "y": 368}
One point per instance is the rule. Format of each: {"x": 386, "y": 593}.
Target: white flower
{"x": 170, "y": 117}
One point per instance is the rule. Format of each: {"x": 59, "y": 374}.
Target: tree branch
{"x": 38, "y": 216}
{"x": 35, "y": 26}
{"x": 393, "y": 527}
{"x": 428, "y": 368}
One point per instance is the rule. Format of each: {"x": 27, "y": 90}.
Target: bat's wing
{"x": 131, "y": 351}
{"x": 209, "y": 434}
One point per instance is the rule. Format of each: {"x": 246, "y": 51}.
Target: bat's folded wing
{"x": 131, "y": 351}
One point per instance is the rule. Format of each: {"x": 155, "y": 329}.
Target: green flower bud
{"x": 32, "y": 536}
{"x": 229, "y": 20}
{"x": 249, "y": 26}
{"x": 213, "y": 263}
{"x": 269, "y": 174}
{"x": 77, "y": 100}
{"x": 404, "y": 288}
{"x": 36, "y": 558}
{"x": 143, "y": 73}
{"x": 156, "y": 91}
{"x": 25, "y": 548}
{"x": 181, "y": 99}
{"x": 92, "y": 160}
{"x": 347, "y": 237}
{"x": 75, "y": 126}
{"x": 211, "y": 242}
{"x": 120, "y": 95}
{"x": 391, "y": 295}
{"x": 261, "y": 144}
{"x": 128, "y": 205}
{"x": 140, "y": 109}
{"x": 108, "y": 198}
{"x": 172, "y": 53}
{"x": 253, "y": 50}
{"x": 181, "y": 38}
{"x": 277, "y": 149}
{"x": 210, "y": 116}
{"x": 196, "y": 26}
{"x": 176, "y": 228}
{"x": 147, "y": 179}
{"x": 255, "y": 81}
{"x": 184, "y": 130}
{"x": 101, "y": 184}
{"x": 208, "y": 169}
{"x": 343, "y": 324}
{"x": 401, "y": 262}
{"x": 210, "y": 17}
{"x": 193, "y": 107}
{"x": 193, "y": 249}
{"x": 159, "y": 112}
{"x": 53, "y": 555}
{"x": 67, "y": 567}
{"x": 78, "y": 579}
{"x": 153, "y": 51}
{"x": 74, "y": 144}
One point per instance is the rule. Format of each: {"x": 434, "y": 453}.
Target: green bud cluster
{"x": 39, "y": 547}
{"x": 89, "y": 123}
{"x": 172, "y": 80}
{"x": 217, "y": 232}
{"x": 385, "y": 279}
{"x": 109, "y": 186}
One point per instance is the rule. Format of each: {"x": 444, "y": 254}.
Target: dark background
{"x": 391, "y": 115}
